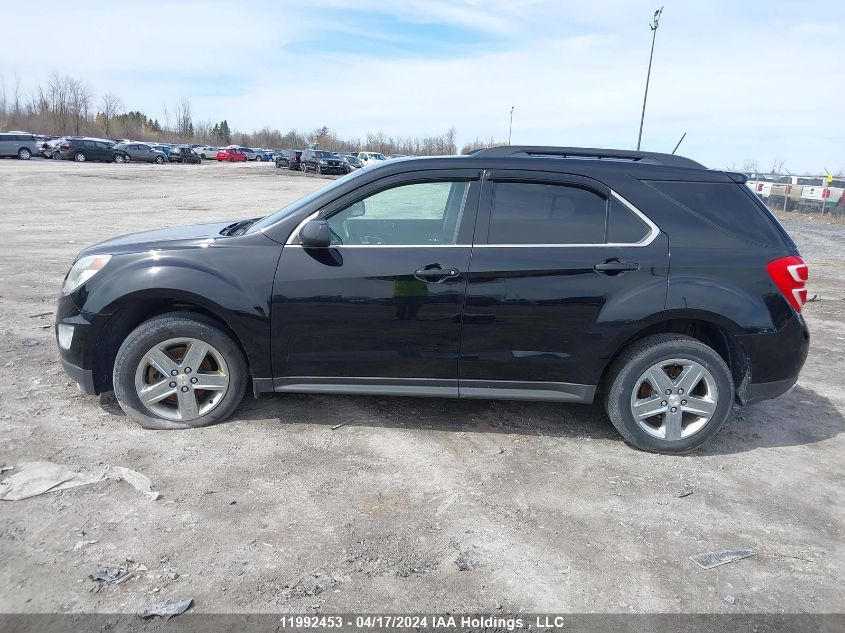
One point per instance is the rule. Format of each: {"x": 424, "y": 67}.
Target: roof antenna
{"x": 679, "y": 143}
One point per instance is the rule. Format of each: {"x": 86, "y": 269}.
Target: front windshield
{"x": 378, "y": 156}
{"x": 296, "y": 206}
{"x": 325, "y": 155}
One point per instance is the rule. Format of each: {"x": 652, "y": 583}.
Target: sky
{"x": 747, "y": 80}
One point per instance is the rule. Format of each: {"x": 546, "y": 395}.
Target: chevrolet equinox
{"x": 664, "y": 289}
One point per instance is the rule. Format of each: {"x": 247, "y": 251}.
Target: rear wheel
{"x": 178, "y": 371}
{"x": 79, "y": 157}
{"x": 24, "y": 154}
{"x": 669, "y": 393}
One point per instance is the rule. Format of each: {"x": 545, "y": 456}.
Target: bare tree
{"x": 777, "y": 166}
{"x": 111, "y": 105}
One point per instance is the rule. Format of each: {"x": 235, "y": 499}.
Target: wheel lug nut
{"x": 184, "y": 388}
{"x": 175, "y": 372}
{"x": 668, "y": 391}
{"x": 663, "y": 404}
{"x": 172, "y": 385}
{"x": 194, "y": 381}
{"x": 187, "y": 370}
{"x": 683, "y": 403}
{"x": 673, "y": 409}
{"x": 680, "y": 391}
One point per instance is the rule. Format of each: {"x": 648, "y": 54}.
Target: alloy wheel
{"x": 182, "y": 379}
{"x": 80, "y": 157}
{"x": 674, "y": 399}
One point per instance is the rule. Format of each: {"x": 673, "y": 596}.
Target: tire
{"x": 226, "y": 363}
{"x": 710, "y": 397}
{"x": 159, "y": 160}
{"x": 24, "y": 153}
{"x": 318, "y": 170}
{"x": 203, "y": 156}
{"x": 118, "y": 158}
{"x": 79, "y": 157}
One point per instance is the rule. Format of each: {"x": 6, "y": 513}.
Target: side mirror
{"x": 316, "y": 234}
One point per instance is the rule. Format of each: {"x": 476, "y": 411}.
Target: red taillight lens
{"x": 759, "y": 186}
{"x": 825, "y": 194}
{"x": 790, "y": 276}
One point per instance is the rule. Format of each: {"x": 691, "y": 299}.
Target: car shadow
{"x": 798, "y": 418}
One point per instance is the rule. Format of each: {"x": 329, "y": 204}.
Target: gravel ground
{"x": 413, "y": 505}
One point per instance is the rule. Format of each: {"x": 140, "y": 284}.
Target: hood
{"x": 174, "y": 238}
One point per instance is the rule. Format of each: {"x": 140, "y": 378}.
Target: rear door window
{"x": 539, "y": 213}
{"x": 726, "y": 205}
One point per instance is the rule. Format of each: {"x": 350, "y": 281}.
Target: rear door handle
{"x": 435, "y": 273}
{"x": 615, "y": 267}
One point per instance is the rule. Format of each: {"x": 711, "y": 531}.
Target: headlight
{"x": 83, "y": 270}
{"x": 322, "y": 162}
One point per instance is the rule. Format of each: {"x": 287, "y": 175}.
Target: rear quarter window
{"x": 727, "y": 206}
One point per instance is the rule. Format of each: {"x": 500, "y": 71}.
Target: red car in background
{"x": 230, "y": 154}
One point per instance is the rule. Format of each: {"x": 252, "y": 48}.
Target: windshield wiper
{"x": 238, "y": 228}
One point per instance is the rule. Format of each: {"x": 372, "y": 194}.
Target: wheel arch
{"x": 132, "y": 310}
{"x": 715, "y": 331}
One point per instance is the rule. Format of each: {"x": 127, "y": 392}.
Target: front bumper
{"x": 83, "y": 377}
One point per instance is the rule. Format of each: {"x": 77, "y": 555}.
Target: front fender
{"x": 232, "y": 282}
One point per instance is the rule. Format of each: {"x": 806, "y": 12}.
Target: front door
{"x": 561, "y": 269}
{"x": 379, "y": 311}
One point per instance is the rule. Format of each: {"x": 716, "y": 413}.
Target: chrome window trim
{"x": 654, "y": 231}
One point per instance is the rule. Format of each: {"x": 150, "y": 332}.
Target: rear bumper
{"x": 760, "y": 391}
{"x": 776, "y": 358}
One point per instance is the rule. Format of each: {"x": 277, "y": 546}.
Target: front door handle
{"x": 615, "y": 267}
{"x": 435, "y": 273}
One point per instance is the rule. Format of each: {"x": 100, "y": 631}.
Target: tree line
{"x": 65, "y": 105}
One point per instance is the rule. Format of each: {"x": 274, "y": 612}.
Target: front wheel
{"x": 159, "y": 160}
{"x": 669, "y": 393}
{"x": 118, "y": 158}
{"x": 177, "y": 371}
{"x": 24, "y": 154}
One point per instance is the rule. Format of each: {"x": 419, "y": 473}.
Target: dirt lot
{"x": 416, "y": 504}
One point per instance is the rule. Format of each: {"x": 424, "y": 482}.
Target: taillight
{"x": 825, "y": 193}
{"x": 759, "y": 186}
{"x": 790, "y": 276}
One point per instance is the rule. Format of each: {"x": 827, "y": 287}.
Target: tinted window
{"x": 534, "y": 213}
{"x": 7, "y": 137}
{"x": 623, "y": 225}
{"x": 89, "y": 144}
{"x": 419, "y": 213}
{"x": 727, "y": 205}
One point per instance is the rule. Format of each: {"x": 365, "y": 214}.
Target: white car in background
{"x": 371, "y": 158}
{"x": 206, "y": 151}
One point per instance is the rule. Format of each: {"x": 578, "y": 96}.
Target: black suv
{"x": 89, "y": 149}
{"x": 290, "y": 158}
{"x": 322, "y": 162}
{"x": 530, "y": 273}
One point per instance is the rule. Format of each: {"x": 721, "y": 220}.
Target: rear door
{"x": 559, "y": 265}
{"x": 380, "y": 310}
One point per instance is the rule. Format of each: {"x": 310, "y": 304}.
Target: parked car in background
{"x": 164, "y": 149}
{"x": 262, "y": 155}
{"x": 322, "y": 162}
{"x": 141, "y": 152}
{"x": 351, "y": 163}
{"x": 184, "y": 154}
{"x": 89, "y": 150}
{"x": 206, "y": 151}
{"x": 250, "y": 153}
{"x": 371, "y": 158}
{"x": 50, "y": 148}
{"x": 231, "y": 154}
{"x": 19, "y": 145}
{"x": 284, "y": 157}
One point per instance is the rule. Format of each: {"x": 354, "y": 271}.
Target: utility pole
{"x": 653, "y": 26}
{"x": 510, "y": 127}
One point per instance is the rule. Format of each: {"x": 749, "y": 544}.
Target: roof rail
{"x": 589, "y": 153}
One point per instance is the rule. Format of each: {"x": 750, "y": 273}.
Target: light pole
{"x": 653, "y": 26}
{"x": 510, "y": 127}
